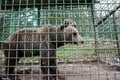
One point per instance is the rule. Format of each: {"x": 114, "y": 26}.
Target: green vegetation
{"x": 84, "y": 52}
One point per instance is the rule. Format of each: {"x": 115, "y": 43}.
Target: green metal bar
{"x": 12, "y": 22}
{"x": 38, "y": 21}
{"x": 95, "y": 30}
{"x": 0, "y": 35}
{"x": 116, "y": 35}
{"x": 0, "y": 4}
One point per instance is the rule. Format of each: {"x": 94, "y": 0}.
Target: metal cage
{"x": 38, "y": 40}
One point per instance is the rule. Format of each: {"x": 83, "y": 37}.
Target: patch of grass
{"x": 84, "y": 52}
{"x": 72, "y": 50}
{"x": 30, "y": 59}
{"x": 75, "y": 53}
{"x": 107, "y": 49}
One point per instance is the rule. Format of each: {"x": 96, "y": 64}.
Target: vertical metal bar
{"x": 12, "y": 22}
{"x": 116, "y": 35}
{"x": 39, "y": 7}
{"x": 38, "y": 21}
{"x": 95, "y": 32}
{"x": 0, "y": 4}
{"x": 1, "y": 22}
{"x": 0, "y": 33}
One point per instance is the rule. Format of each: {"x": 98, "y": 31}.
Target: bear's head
{"x": 70, "y": 34}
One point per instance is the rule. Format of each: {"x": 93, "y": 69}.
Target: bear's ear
{"x": 66, "y": 23}
{"x": 75, "y": 25}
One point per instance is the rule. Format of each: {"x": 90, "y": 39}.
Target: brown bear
{"x": 42, "y": 41}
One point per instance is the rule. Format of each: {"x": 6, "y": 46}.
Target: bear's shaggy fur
{"x": 42, "y": 41}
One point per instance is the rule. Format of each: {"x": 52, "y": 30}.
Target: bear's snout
{"x": 80, "y": 42}
{"x": 78, "y": 39}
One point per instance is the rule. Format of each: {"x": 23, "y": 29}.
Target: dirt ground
{"x": 75, "y": 71}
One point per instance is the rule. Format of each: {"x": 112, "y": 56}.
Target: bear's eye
{"x": 74, "y": 34}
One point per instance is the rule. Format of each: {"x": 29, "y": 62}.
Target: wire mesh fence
{"x": 59, "y": 40}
